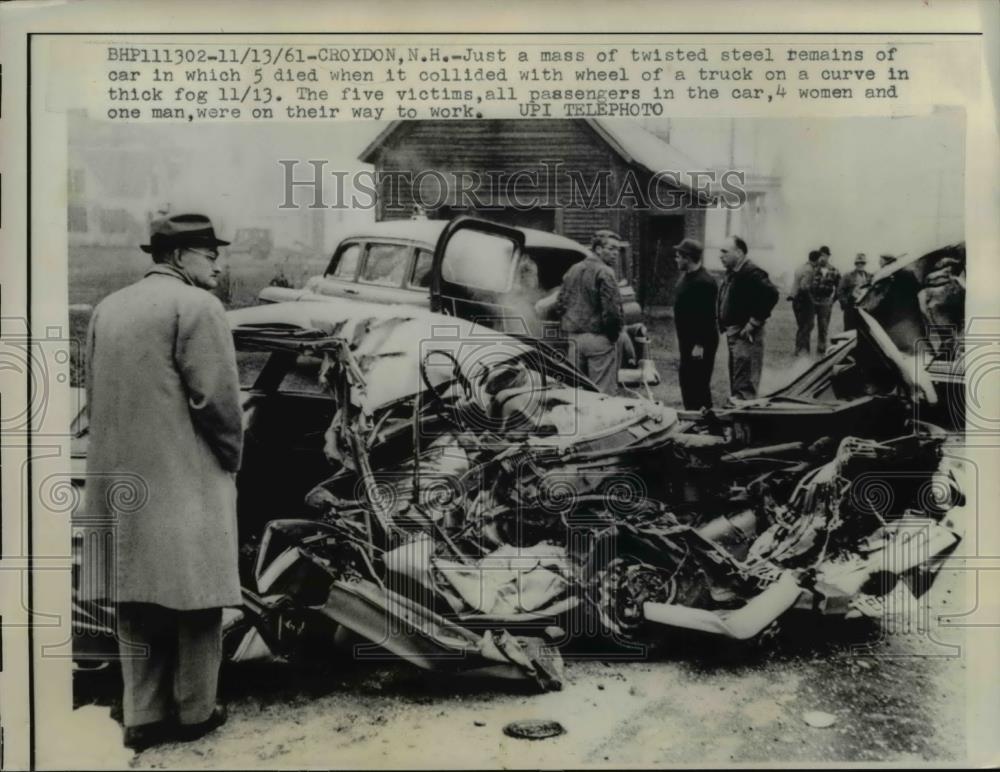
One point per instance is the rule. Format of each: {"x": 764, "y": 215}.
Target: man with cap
{"x": 822, "y": 290}
{"x": 852, "y": 287}
{"x": 589, "y": 307}
{"x": 746, "y": 298}
{"x": 165, "y": 416}
{"x": 694, "y": 318}
{"x": 802, "y": 304}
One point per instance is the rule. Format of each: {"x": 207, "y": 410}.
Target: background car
{"x": 489, "y": 274}
{"x": 256, "y": 242}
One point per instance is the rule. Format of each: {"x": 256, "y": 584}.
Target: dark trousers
{"x": 805, "y": 314}
{"x": 851, "y": 317}
{"x": 823, "y": 311}
{"x": 746, "y": 361}
{"x": 170, "y": 662}
{"x": 696, "y": 377}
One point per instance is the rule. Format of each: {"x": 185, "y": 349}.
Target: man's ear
{"x": 174, "y": 259}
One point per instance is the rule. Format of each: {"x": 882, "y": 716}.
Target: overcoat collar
{"x": 162, "y": 269}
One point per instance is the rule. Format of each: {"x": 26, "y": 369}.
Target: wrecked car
{"x": 425, "y": 487}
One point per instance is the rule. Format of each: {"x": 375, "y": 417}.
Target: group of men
{"x": 817, "y": 284}
{"x": 737, "y": 309}
{"x": 589, "y": 307}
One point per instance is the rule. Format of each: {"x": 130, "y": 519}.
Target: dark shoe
{"x": 139, "y": 738}
{"x": 188, "y": 732}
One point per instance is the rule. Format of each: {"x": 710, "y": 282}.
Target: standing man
{"x": 694, "y": 317}
{"x": 802, "y": 305}
{"x": 590, "y": 309}
{"x": 164, "y": 403}
{"x": 823, "y": 289}
{"x": 851, "y": 288}
{"x": 746, "y": 299}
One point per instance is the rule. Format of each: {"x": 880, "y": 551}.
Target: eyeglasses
{"x": 212, "y": 256}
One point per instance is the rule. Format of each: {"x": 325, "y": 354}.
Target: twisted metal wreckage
{"x": 484, "y": 519}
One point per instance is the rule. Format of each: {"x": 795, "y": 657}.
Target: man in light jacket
{"x": 164, "y": 403}
{"x": 589, "y": 307}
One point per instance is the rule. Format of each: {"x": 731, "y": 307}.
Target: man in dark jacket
{"x": 746, "y": 299}
{"x": 590, "y": 309}
{"x": 823, "y": 289}
{"x": 694, "y": 317}
{"x": 802, "y": 304}
{"x": 852, "y": 287}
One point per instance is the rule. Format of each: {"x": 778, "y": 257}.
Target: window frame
{"x": 409, "y": 248}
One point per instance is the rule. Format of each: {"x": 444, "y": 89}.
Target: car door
{"x": 474, "y": 269}
{"x": 385, "y": 274}
{"x": 339, "y": 278}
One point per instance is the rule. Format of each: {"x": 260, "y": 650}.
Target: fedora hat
{"x": 181, "y": 230}
{"x": 690, "y": 247}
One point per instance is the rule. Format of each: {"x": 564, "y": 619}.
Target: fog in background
{"x": 855, "y": 184}
{"x": 873, "y": 185}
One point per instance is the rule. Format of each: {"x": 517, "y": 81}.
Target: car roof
{"x": 428, "y": 231}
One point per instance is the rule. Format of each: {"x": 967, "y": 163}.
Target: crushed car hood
{"x": 901, "y": 297}
{"x": 388, "y": 342}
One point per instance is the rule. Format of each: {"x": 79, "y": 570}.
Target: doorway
{"x": 658, "y": 270}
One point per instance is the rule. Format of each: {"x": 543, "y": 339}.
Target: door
{"x": 474, "y": 268}
{"x": 657, "y": 267}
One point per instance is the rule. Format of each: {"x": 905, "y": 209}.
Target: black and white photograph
{"x": 458, "y": 399}
{"x": 501, "y": 429}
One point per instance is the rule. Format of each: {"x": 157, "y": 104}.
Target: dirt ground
{"x": 895, "y": 695}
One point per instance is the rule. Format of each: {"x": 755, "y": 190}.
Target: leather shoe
{"x": 139, "y": 738}
{"x": 188, "y": 732}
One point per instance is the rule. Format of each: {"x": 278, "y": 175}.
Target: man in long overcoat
{"x": 694, "y": 318}
{"x": 164, "y": 403}
{"x": 746, "y": 299}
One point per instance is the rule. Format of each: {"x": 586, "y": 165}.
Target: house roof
{"x": 633, "y": 144}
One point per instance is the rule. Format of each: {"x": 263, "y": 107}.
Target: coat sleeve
{"x": 206, "y": 361}
{"x": 559, "y": 309}
{"x": 612, "y": 316}
{"x": 765, "y": 296}
{"x": 705, "y": 328}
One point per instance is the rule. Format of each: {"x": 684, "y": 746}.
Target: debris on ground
{"x": 819, "y": 719}
{"x": 533, "y": 729}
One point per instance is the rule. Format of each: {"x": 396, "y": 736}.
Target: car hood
{"x": 388, "y": 343}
